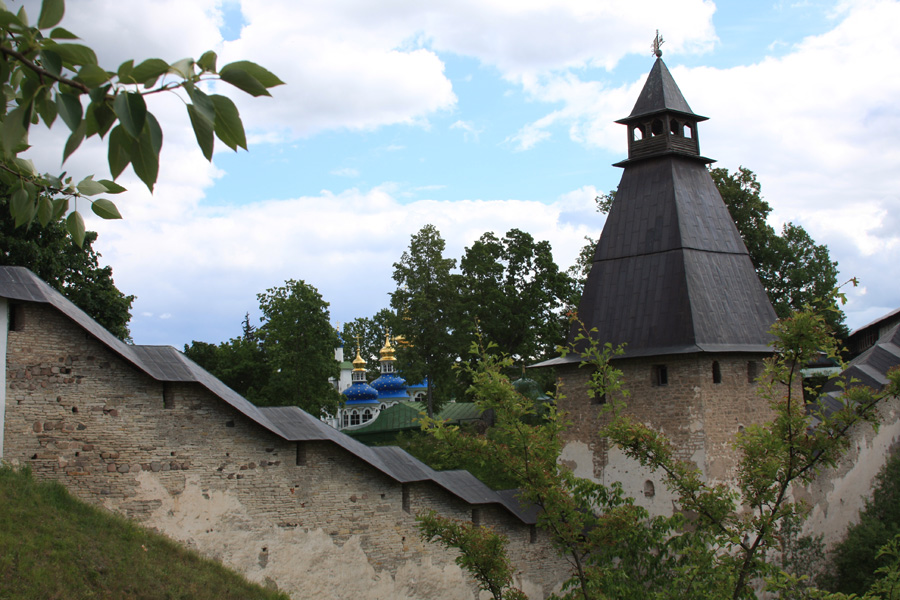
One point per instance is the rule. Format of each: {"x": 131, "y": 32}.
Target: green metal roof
{"x": 407, "y": 415}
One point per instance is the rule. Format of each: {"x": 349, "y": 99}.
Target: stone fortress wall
{"x": 311, "y": 517}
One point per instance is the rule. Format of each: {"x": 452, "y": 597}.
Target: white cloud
{"x": 817, "y": 125}
{"x": 346, "y": 172}
{"x": 470, "y": 132}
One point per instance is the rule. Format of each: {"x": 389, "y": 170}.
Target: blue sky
{"x": 480, "y": 116}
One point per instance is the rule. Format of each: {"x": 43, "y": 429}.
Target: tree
{"x": 240, "y": 363}
{"x": 854, "y": 561}
{"x": 298, "y": 341}
{"x": 74, "y": 272}
{"x": 794, "y": 269}
{"x": 45, "y": 75}
{"x": 426, "y": 302}
{"x": 288, "y": 360}
{"x": 720, "y": 539}
{"x": 515, "y": 292}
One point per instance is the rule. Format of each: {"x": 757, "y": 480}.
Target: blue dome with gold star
{"x": 360, "y": 393}
{"x": 390, "y": 385}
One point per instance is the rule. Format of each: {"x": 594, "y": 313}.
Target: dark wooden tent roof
{"x": 671, "y": 274}
{"x": 660, "y": 93}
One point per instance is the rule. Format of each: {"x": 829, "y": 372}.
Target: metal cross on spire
{"x": 658, "y": 41}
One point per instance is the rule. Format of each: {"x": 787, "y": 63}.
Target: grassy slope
{"x": 54, "y": 546}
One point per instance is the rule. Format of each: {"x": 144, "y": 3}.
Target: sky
{"x": 476, "y": 116}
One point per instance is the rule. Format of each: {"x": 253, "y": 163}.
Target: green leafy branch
{"x": 45, "y": 76}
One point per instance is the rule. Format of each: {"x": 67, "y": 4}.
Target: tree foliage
{"x": 720, "y": 540}
{"x": 288, "y": 360}
{"x": 515, "y": 292}
{"x": 854, "y": 561}
{"x": 74, "y": 272}
{"x": 46, "y": 75}
{"x": 427, "y": 304}
{"x": 482, "y": 552}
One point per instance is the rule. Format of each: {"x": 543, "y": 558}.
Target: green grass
{"x": 53, "y": 546}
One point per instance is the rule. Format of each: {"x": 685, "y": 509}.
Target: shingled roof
{"x": 671, "y": 274}
{"x": 660, "y": 94}
{"x": 166, "y": 364}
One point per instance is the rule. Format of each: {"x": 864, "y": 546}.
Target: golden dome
{"x": 387, "y": 353}
{"x": 358, "y": 363}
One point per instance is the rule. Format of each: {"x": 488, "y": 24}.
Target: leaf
{"x": 75, "y": 227}
{"x": 92, "y": 76}
{"x": 145, "y": 153}
{"x": 60, "y": 206}
{"x": 112, "y": 187}
{"x": 62, "y": 34}
{"x": 203, "y": 131}
{"x": 124, "y": 70}
{"x": 51, "y": 13}
{"x": 148, "y": 71}
{"x": 99, "y": 117}
{"x": 228, "y": 124}
{"x": 207, "y": 62}
{"x": 47, "y": 109}
{"x": 183, "y": 67}
{"x": 132, "y": 112}
{"x": 105, "y": 209}
{"x": 21, "y": 207}
{"x": 73, "y": 54}
{"x": 44, "y": 209}
{"x": 69, "y": 108}
{"x": 74, "y": 141}
{"x": 89, "y": 187}
{"x": 119, "y": 154}
{"x": 13, "y": 130}
{"x": 202, "y": 102}
{"x": 51, "y": 61}
{"x": 262, "y": 75}
{"x": 243, "y": 80}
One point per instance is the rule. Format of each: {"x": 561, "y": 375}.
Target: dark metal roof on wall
{"x": 868, "y": 369}
{"x": 166, "y": 364}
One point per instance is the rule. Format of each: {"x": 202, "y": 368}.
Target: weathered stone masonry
{"x": 310, "y": 515}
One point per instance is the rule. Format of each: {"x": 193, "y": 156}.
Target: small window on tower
{"x": 688, "y": 130}
{"x": 752, "y": 371}
{"x": 354, "y": 418}
{"x": 675, "y": 127}
{"x": 660, "y": 375}
{"x": 637, "y": 133}
{"x": 367, "y": 416}
{"x": 656, "y": 128}
{"x": 16, "y": 317}
{"x": 717, "y": 372}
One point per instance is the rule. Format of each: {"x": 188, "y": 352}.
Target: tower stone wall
{"x": 700, "y": 408}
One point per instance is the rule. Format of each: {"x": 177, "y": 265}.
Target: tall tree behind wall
{"x": 299, "y": 342}
{"x": 288, "y": 360}
{"x": 427, "y": 304}
{"x": 516, "y": 293}
{"x": 75, "y": 272}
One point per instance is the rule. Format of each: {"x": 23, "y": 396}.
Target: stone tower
{"x": 672, "y": 281}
